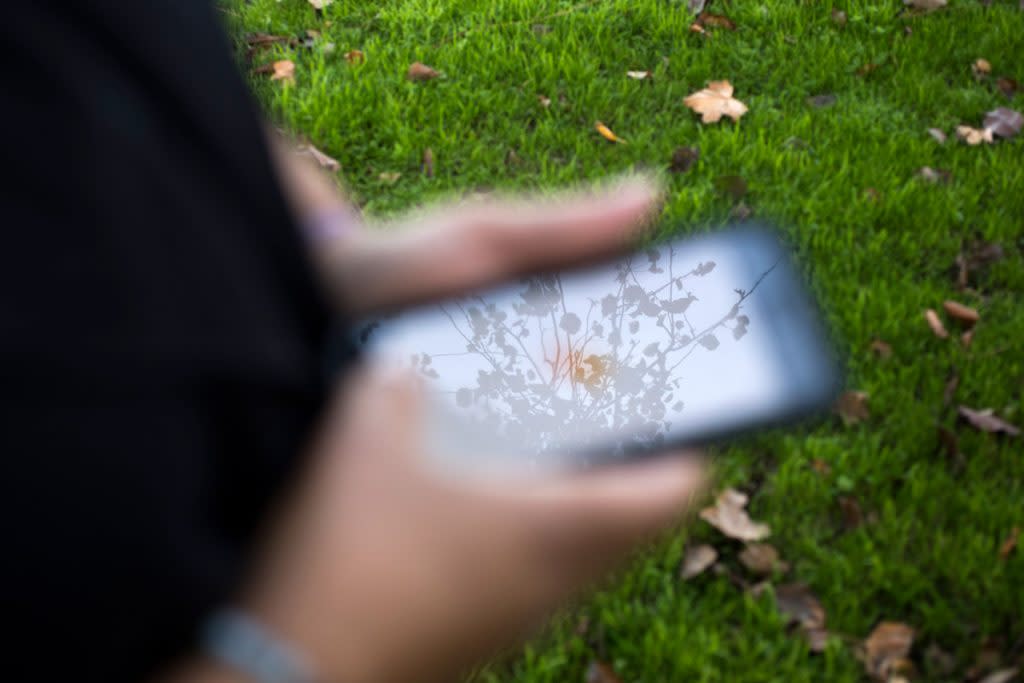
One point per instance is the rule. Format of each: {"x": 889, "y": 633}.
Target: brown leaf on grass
{"x": 762, "y": 559}
{"x": 1010, "y": 543}
{"x": 796, "y": 602}
{"x": 729, "y": 516}
{"x": 330, "y": 163}
{"x": 838, "y": 17}
{"x": 428, "y": 162}
{"x": 950, "y": 390}
{"x": 709, "y": 20}
{"x": 987, "y": 421}
{"x": 852, "y": 407}
{"x": 421, "y": 72}
{"x": 1001, "y": 676}
{"x": 885, "y": 650}
{"x": 881, "y": 349}
{"x": 974, "y": 136}
{"x": 958, "y": 311}
{"x": 283, "y": 70}
{"x": 355, "y": 57}
{"x": 716, "y": 101}
{"x": 981, "y": 68}
{"x": 938, "y": 135}
{"x": 967, "y": 338}
{"x": 697, "y": 28}
{"x": 683, "y": 159}
{"x": 544, "y": 101}
{"x": 607, "y": 133}
{"x": 1004, "y": 122}
{"x": 696, "y": 560}
{"x": 852, "y": 515}
{"x": 935, "y": 175}
{"x": 925, "y": 4}
{"x": 1007, "y": 86}
{"x": 601, "y": 672}
{"x": 934, "y": 322}
{"x": 638, "y": 75}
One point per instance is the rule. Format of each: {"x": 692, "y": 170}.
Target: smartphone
{"x": 682, "y": 343}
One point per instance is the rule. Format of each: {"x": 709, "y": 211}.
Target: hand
{"x": 381, "y": 571}
{"x": 459, "y": 247}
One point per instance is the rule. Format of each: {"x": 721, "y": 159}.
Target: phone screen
{"x": 672, "y": 344}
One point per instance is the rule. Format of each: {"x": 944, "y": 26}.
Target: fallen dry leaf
{"x": 421, "y": 72}
{"x": 1001, "y": 676}
{"x": 762, "y": 559}
{"x": 696, "y": 560}
{"x": 925, "y": 4}
{"x": 638, "y": 75}
{"x": 607, "y": 133}
{"x": 330, "y": 163}
{"x": 1004, "y": 122}
{"x": 683, "y": 159}
{"x": 886, "y": 649}
{"x": 428, "y": 162}
{"x": 283, "y": 70}
{"x": 1007, "y": 86}
{"x": 801, "y": 607}
{"x": 935, "y": 175}
{"x": 355, "y": 57}
{"x": 601, "y": 672}
{"x": 958, "y": 311}
{"x": 940, "y": 137}
{"x": 981, "y": 68}
{"x": 881, "y": 349}
{"x": 544, "y": 101}
{"x": 1010, "y": 543}
{"x": 729, "y": 516}
{"x": 935, "y": 323}
{"x": 987, "y": 421}
{"x": 974, "y": 136}
{"x": 852, "y": 515}
{"x": 390, "y": 177}
{"x": 852, "y": 407}
{"x": 716, "y": 101}
{"x": 707, "y": 19}
{"x": 967, "y": 338}
{"x": 697, "y": 28}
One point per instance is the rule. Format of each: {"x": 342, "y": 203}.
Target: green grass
{"x": 929, "y": 556}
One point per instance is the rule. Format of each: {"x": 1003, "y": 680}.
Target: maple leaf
{"x": 716, "y": 101}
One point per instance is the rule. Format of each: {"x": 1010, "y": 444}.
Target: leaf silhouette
{"x": 571, "y": 323}
{"x": 676, "y": 305}
{"x": 709, "y": 341}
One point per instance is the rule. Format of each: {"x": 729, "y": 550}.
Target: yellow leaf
{"x": 607, "y": 133}
{"x": 716, "y": 101}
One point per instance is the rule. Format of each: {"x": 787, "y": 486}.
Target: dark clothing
{"x": 160, "y": 334}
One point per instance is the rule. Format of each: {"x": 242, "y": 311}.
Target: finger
{"x": 458, "y": 248}
{"x": 594, "y": 518}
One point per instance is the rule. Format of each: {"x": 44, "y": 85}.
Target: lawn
{"x": 878, "y": 241}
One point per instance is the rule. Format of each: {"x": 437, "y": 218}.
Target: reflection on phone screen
{"x": 662, "y": 343}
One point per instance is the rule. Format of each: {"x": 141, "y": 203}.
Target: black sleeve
{"x": 160, "y": 334}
